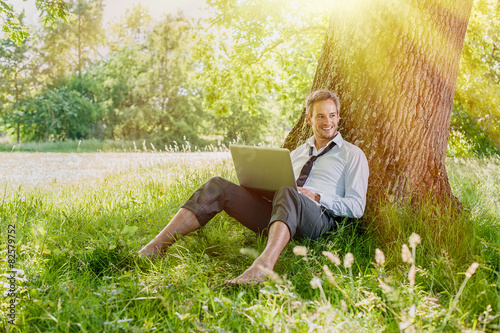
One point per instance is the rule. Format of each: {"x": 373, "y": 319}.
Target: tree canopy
{"x": 240, "y": 75}
{"x": 50, "y": 12}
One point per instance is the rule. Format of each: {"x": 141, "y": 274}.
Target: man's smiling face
{"x": 324, "y": 121}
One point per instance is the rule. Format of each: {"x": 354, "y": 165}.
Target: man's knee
{"x": 208, "y": 200}
{"x": 215, "y": 185}
{"x": 286, "y": 191}
{"x": 216, "y": 179}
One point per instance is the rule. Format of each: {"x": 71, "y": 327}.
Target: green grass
{"x": 70, "y": 146}
{"x": 95, "y": 145}
{"x": 76, "y": 245}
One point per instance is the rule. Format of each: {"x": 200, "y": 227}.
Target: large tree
{"x": 394, "y": 65}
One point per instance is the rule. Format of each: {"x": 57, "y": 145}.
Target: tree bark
{"x": 394, "y": 66}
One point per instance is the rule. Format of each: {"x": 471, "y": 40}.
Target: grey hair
{"x": 320, "y": 95}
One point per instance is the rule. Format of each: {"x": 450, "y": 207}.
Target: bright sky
{"x": 116, "y": 8}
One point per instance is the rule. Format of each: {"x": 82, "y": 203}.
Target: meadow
{"x": 76, "y": 268}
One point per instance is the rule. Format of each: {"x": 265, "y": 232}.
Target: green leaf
{"x": 129, "y": 230}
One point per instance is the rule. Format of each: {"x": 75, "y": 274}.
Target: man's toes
{"x": 249, "y": 277}
{"x": 229, "y": 282}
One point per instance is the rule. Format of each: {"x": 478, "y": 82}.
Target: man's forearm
{"x": 352, "y": 206}
{"x": 311, "y": 195}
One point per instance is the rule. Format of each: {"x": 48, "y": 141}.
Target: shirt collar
{"x": 337, "y": 139}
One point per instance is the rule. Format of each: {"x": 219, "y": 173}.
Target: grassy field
{"x": 76, "y": 269}
{"x": 94, "y": 145}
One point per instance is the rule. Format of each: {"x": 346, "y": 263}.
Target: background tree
{"x": 395, "y": 68}
{"x": 475, "y": 121}
{"x": 48, "y": 109}
{"x": 175, "y": 99}
{"x": 146, "y": 82}
{"x": 17, "y": 79}
{"x": 258, "y": 63}
{"x": 69, "y": 48}
{"x": 241, "y": 75}
{"x": 50, "y": 10}
{"x": 55, "y": 114}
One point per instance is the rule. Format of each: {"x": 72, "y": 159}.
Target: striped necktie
{"x": 306, "y": 169}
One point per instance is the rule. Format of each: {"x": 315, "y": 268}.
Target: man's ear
{"x": 308, "y": 119}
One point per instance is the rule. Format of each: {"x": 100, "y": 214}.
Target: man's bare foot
{"x": 254, "y": 275}
{"x": 151, "y": 251}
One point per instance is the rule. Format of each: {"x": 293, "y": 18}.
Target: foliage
{"x": 16, "y": 70}
{"x": 75, "y": 244}
{"x": 147, "y": 82}
{"x": 260, "y": 63}
{"x": 475, "y": 123}
{"x": 69, "y": 48}
{"x": 240, "y": 75}
{"x": 244, "y": 96}
{"x": 51, "y": 12}
{"x": 56, "y": 114}
{"x": 43, "y": 100}
{"x": 142, "y": 90}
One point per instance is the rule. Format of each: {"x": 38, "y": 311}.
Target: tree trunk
{"x": 394, "y": 66}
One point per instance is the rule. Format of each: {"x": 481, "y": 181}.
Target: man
{"x": 332, "y": 179}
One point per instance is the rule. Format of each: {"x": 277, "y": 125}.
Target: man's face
{"x": 324, "y": 120}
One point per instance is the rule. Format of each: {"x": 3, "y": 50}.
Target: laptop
{"x": 262, "y": 169}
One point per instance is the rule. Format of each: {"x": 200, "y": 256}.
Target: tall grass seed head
{"x": 471, "y": 270}
{"x": 343, "y": 305}
{"x": 348, "y": 260}
{"x": 411, "y": 275}
{"x": 406, "y": 254}
{"x": 249, "y": 252}
{"x": 315, "y": 282}
{"x": 329, "y": 274}
{"x": 386, "y": 289}
{"x": 300, "y": 250}
{"x": 414, "y": 240}
{"x": 332, "y": 257}
{"x": 270, "y": 274}
{"x": 379, "y": 257}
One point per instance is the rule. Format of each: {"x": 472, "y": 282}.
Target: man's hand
{"x": 315, "y": 196}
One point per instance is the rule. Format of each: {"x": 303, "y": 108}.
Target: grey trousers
{"x": 302, "y": 216}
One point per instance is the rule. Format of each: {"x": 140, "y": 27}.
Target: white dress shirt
{"x": 340, "y": 176}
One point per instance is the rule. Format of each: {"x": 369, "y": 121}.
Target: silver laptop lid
{"x": 263, "y": 168}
